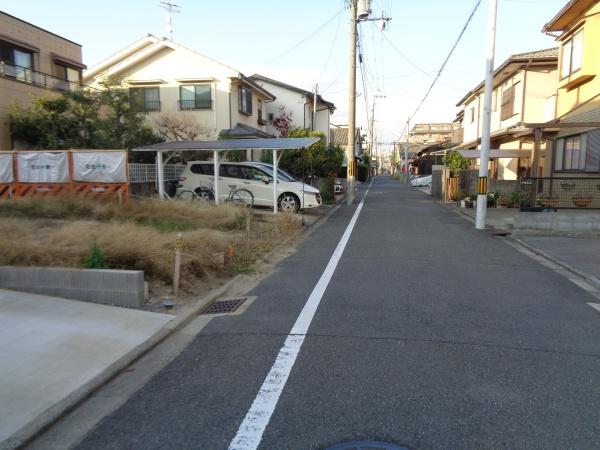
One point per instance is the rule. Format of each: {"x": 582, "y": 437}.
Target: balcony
{"x": 40, "y": 79}
{"x": 186, "y": 105}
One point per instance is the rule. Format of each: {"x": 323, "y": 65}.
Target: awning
{"x": 494, "y": 153}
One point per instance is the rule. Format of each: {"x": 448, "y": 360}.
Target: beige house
{"x": 181, "y": 88}
{"x": 432, "y": 133}
{"x": 524, "y": 92}
{"x": 33, "y": 62}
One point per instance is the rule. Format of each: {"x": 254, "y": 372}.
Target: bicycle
{"x": 238, "y": 196}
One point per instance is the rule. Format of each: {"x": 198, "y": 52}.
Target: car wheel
{"x": 289, "y": 202}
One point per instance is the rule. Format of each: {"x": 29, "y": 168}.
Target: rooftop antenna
{"x": 170, "y": 8}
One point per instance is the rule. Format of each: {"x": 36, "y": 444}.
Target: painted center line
{"x": 257, "y": 418}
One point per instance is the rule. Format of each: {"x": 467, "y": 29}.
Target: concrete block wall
{"x": 561, "y": 221}
{"x": 108, "y": 287}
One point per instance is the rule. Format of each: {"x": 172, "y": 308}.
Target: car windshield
{"x": 281, "y": 174}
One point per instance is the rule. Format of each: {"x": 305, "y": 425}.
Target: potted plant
{"x": 581, "y": 200}
{"x": 501, "y": 201}
{"x": 549, "y": 201}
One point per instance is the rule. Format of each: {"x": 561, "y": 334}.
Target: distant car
{"x": 256, "y": 177}
{"x": 421, "y": 181}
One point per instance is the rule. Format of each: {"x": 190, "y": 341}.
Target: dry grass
{"x": 140, "y": 235}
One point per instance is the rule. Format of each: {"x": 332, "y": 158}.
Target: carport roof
{"x": 230, "y": 144}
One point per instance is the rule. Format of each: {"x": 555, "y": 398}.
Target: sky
{"x": 307, "y": 43}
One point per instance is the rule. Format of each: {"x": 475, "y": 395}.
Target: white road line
{"x": 596, "y": 306}
{"x": 257, "y": 418}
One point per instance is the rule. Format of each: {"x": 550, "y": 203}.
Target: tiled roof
{"x": 546, "y": 53}
{"x": 339, "y": 136}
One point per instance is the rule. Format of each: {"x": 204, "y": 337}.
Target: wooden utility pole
{"x": 351, "y": 106}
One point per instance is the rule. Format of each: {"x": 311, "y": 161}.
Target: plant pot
{"x": 582, "y": 202}
{"x": 463, "y": 204}
{"x": 550, "y": 202}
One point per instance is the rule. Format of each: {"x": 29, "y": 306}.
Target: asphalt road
{"x": 430, "y": 335}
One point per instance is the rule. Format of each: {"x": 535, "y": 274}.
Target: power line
{"x": 337, "y": 30}
{"x": 312, "y": 34}
{"x": 462, "y": 32}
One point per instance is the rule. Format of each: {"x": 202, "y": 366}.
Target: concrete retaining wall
{"x": 108, "y": 287}
{"x": 561, "y": 221}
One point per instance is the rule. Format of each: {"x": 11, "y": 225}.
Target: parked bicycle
{"x": 238, "y": 196}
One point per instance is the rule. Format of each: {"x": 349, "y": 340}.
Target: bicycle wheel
{"x": 205, "y": 194}
{"x": 242, "y": 197}
{"x": 187, "y": 195}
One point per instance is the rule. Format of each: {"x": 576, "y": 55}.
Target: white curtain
{"x": 99, "y": 167}
{"x": 43, "y": 167}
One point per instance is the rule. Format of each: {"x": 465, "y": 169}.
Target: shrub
{"x": 328, "y": 191}
{"x": 455, "y": 162}
{"x": 96, "y": 259}
{"x": 362, "y": 172}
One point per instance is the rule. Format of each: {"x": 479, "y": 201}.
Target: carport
{"x": 218, "y": 147}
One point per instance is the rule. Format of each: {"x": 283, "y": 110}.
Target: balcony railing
{"x": 185, "y": 105}
{"x": 35, "y": 78}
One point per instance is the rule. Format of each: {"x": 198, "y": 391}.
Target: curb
{"x": 46, "y": 419}
{"x": 587, "y": 277}
{"x": 594, "y": 281}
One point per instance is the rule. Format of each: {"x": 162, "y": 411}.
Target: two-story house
{"x": 298, "y": 102}
{"x": 577, "y": 148}
{"x": 33, "y": 62}
{"x": 432, "y": 133}
{"x": 524, "y": 90}
{"x": 174, "y": 83}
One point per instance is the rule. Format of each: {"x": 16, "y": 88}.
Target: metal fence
{"x": 40, "y": 79}
{"x": 146, "y": 173}
{"x": 560, "y": 192}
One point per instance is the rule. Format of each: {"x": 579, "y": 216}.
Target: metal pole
{"x": 161, "y": 176}
{"x": 487, "y": 110}
{"x": 351, "y": 105}
{"x": 314, "y": 120}
{"x": 216, "y": 176}
{"x": 275, "y": 182}
{"x": 371, "y": 133}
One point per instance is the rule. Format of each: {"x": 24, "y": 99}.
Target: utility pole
{"x": 372, "y": 130}
{"x": 406, "y": 147}
{"x": 487, "y": 111}
{"x": 351, "y": 106}
{"x": 314, "y": 120}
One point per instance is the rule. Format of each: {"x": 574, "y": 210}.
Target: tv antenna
{"x": 170, "y": 8}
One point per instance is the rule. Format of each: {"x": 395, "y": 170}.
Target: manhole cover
{"x": 227, "y": 305}
{"x": 366, "y": 445}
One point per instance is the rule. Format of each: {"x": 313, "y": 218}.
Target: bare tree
{"x": 282, "y": 121}
{"x": 182, "y": 127}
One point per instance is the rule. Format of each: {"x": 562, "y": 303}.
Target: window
{"x": 572, "y": 55}
{"x": 146, "y": 98}
{"x": 22, "y": 61}
{"x": 495, "y": 101}
{"x": 245, "y": 101}
{"x": 71, "y": 76}
{"x": 252, "y": 173}
{"x": 580, "y": 152}
{"x": 259, "y": 109}
{"x": 195, "y": 97}
{"x": 203, "y": 169}
{"x": 507, "y": 106}
{"x": 472, "y": 113}
{"x": 231, "y": 171}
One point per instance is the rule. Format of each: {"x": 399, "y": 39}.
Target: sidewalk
{"x": 51, "y": 347}
{"x": 579, "y": 254}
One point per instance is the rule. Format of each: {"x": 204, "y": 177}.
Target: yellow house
{"x": 577, "y": 125}
{"x": 186, "y": 94}
{"x": 33, "y": 62}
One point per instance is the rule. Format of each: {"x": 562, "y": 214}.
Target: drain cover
{"x": 226, "y": 305}
{"x": 366, "y": 445}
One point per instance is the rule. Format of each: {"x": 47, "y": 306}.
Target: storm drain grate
{"x": 227, "y": 305}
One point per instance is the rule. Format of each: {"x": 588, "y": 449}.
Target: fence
{"x": 146, "y": 173}
{"x": 560, "y": 192}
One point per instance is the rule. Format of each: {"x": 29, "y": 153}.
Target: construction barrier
{"x": 87, "y": 173}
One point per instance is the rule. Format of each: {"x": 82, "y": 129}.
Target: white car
{"x": 256, "y": 177}
{"x": 421, "y": 181}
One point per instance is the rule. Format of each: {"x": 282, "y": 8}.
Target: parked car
{"x": 256, "y": 177}
{"x": 421, "y": 181}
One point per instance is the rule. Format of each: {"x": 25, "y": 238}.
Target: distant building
{"x": 33, "y": 62}
{"x": 297, "y": 101}
{"x": 432, "y": 133}
{"x": 338, "y": 135}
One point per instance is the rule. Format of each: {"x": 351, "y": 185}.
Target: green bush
{"x": 362, "y": 172}
{"x": 328, "y": 191}
{"x": 96, "y": 258}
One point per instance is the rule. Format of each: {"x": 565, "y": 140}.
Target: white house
{"x": 299, "y": 102}
{"x": 188, "y": 91}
